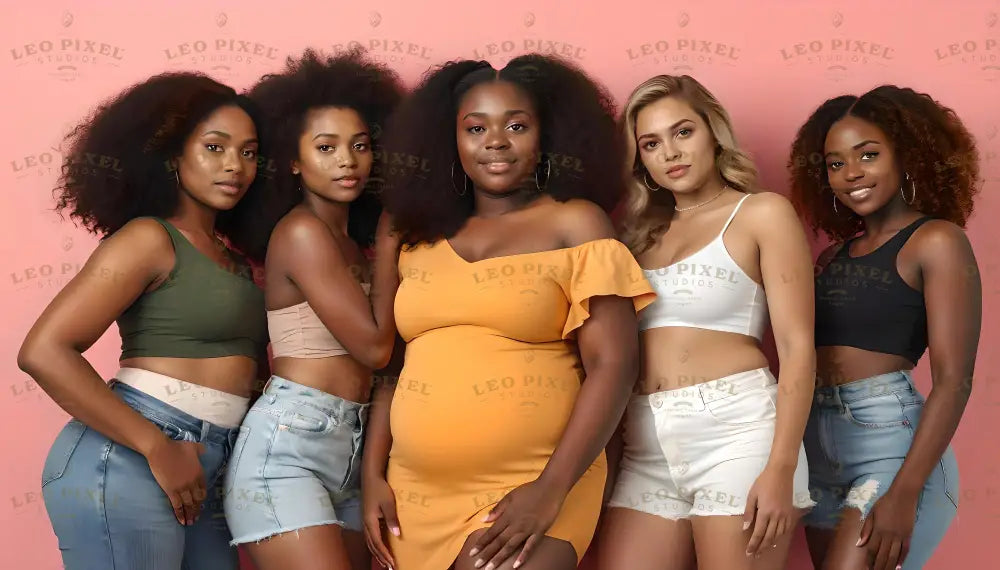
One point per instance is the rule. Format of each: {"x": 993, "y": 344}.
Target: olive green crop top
{"x": 200, "y": 311}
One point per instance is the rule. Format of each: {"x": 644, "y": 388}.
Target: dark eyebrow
{"x": 220, "y": 133}
{"x": 855, "y": 147}
{"x": 507, "y": 114}
{"x": 672, "y": 127}
{"x": 331, "y": 135}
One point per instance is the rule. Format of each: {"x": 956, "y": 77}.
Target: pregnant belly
{"x": 479, "y": 414}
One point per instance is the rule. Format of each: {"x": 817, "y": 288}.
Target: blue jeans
{"x": 296, "y": 464}
{"x": 856, "y": 439}
{"x": 109, "y": 513}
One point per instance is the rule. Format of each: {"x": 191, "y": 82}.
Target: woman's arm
{"x": 787, "y": 275}
{"x": 315, "y": 264}
{"x": 117, "y": 273}
{"x": 953, "y": 296}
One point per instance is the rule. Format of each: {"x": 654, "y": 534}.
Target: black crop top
{"x": 863, "y": 302}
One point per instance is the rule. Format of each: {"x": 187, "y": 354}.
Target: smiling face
{"x": 675, "y": 145}
{"x": 861, "y": 166}
{"x": 219, "y": 160}
{"x": 498, "y": 136}
{"x": 335, "y": 156}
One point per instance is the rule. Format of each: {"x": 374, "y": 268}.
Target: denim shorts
{"x": 697, "y": 450}
{"x": 296, "y": 463}
{"x": 856, "y": 439}
{"x": 109, "y": 513}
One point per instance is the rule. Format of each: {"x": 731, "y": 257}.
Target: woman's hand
{"x": 522, "y": 517}
{"x": 888, "y": 528}
{"x": 769, "y": 509}
{"x": 378, "y": 503}
{"x": 178, "y": 472}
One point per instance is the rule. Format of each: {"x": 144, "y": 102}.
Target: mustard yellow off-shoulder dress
{"x": 488, "y": 384}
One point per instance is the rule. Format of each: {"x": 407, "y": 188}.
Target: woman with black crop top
{"x": 134, "y": 480}
{"x": 890, "y": 176}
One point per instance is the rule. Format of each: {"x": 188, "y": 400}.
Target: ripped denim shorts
{"x": 295, "y": 464}
{"x": 856, "y": 439}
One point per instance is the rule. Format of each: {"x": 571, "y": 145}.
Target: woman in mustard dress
{"x": 518, "y": 308}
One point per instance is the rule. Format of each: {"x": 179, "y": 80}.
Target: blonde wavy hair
{"x": 639, "y": 226}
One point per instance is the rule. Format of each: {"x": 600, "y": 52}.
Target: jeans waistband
{"x": 713, "y": 389}
{"x": 898, "y": 381}
{"x": 350, "y": 413}
{"x": 162, "y": 413}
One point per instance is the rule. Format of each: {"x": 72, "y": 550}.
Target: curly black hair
{"x": 578, "y": 136}
{"x": 929, "y": 139}
{"x": 349, "y": 80}
{"x": 118, "y": 167}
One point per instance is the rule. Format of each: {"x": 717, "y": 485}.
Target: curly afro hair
{"x": 578, "y": 136}
{"x": 119, "y": 168}
{"x": 347, "y": 81}
{"x": 932, "y": 144}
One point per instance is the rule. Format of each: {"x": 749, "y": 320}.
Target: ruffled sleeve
{"x": 603, "y": 267}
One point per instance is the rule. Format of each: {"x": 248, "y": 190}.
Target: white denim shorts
{"x": 696, "y": 451}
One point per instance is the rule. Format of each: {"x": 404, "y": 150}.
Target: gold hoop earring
{"x": 548, "y": 172}
{"x": 645, "y": 175}
{"x": 834, "y": 203}
{"x": 465, "y": 183}
{"x": 913, "y": 193}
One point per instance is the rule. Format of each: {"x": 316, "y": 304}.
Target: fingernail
{"x": 899, "y": 567}
{"x": 473, "y": 552}
{"x": 478, "y": 563}
{"x": 746, "y": 525}
{"x": 489, "y": 566}
{"x": 486, "y": 518}
{"x": 858, "y": 543}
{"x": 395, "y": 530}
{"x": 518, "y": 563}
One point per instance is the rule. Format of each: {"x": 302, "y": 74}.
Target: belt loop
{"x": 837, "y": 399}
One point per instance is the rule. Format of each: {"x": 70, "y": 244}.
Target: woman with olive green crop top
{"x": 134, "y": 480}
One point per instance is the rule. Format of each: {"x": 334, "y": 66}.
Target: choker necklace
{"x": 676, "y": 209}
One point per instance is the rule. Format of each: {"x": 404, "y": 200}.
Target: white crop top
{"x": 707, "y": 290}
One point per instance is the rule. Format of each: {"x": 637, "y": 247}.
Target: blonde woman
{"x": 713, "y": 465}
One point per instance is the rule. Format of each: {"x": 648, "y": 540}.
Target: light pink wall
{"x": 770, "y": 62}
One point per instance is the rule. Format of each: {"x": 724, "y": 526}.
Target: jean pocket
{"x": 743, "y": 408}
{"x": 876, "y": 412}
{"x": 62, "y": 451}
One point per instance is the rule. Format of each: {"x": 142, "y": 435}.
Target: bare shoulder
{"x": 143, "y": 240}
{"x": 579, "y": 221}
{"x": 297, "y": 229}
{"x": 770, "y": 206}
{"x": 770, "y": 213}
{"x": 938, "y": 239}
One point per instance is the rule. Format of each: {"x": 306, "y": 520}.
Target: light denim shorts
{"x": 856, "y": 439}
{"x": 697, "y": 450}
{"x": 295, "y": 464}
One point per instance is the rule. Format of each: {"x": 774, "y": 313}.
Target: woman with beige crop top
{"x": 292, "y": 492}
{"x": 713, "y": 465}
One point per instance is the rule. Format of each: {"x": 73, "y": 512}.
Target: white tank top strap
{"x": 733, "y": 215}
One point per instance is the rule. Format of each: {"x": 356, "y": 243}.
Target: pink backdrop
{"x": 770, "y": 62}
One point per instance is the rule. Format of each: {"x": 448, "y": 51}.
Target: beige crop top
{"x": 297, "y": 332}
